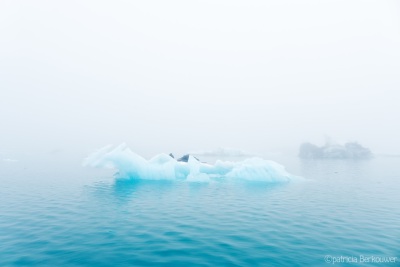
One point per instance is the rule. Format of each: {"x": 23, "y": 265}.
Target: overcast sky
{"x": 174, "y": 76}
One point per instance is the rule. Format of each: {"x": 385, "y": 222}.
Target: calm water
{"x": 65, "y": 215}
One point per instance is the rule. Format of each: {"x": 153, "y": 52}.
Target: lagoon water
{"x": 54, "y": 213}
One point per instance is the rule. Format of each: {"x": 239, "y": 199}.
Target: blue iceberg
{"x": 164, "y": 167}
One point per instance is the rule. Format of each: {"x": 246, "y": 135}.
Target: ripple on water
{"x": 141, "y": 223}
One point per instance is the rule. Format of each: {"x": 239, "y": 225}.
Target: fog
{"x": 177, "y": 76}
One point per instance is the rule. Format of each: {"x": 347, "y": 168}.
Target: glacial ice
{"x": 163, "y": 167}
{"x": 331, "y": 150}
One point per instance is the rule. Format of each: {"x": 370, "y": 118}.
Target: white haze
{"x": 177, "y": 76}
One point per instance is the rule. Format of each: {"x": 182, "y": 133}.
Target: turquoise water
{"x": 65, "y": 215}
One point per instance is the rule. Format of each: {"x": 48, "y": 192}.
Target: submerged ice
{"x": 164, "y": 167}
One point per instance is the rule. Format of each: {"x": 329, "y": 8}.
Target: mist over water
{"x": 177, "y": 77}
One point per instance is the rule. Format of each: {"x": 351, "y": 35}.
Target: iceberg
{"x": 164, "y": 167}
{"x": 330, "y": 150}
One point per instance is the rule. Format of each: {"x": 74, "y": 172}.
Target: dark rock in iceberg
{"x": 351, "y": 150}
{"x": 185, "y": 158}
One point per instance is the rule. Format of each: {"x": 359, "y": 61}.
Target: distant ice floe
{"x": 223, "y": 152}
{"x": 351, "y": 150}
{"x": 164, "y": 167}
{"x": 7, "y": 156}
{"x": 10, "y": 160}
